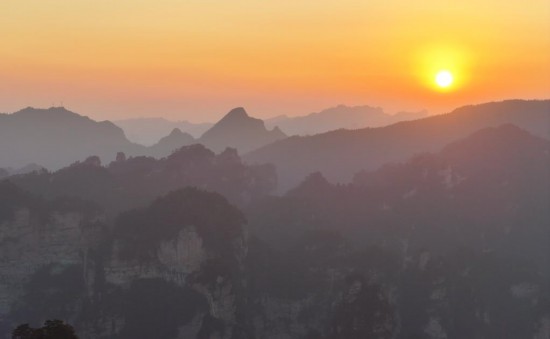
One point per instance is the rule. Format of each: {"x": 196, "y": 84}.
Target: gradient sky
{"x": 191, "y": 59}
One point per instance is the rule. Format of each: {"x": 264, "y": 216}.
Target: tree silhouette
{"x": 52, "y": 329}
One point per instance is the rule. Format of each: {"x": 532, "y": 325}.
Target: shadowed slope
{"x": 339, "y": 154}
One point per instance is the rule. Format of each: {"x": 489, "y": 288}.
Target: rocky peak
{"x": 178, "y": 136}
{"x": 239, "y": 130}
{"x": 277, "y": 132}
{"x": 236, "y": 114}
{"x": 176, "y": 132}
{"x": 173, "y": 141}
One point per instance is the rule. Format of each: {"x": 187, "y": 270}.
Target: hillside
{"x": 339, "y": 117}
{"x": 56, "y": 137}
{"x": 340, "y": 154}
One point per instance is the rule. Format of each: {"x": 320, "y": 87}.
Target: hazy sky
{"x": 191, "y": 59}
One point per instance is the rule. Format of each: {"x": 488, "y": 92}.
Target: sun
{"x": 444, "y": 78}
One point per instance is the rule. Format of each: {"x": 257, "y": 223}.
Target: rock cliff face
{"x": 39, "y": 240}
{"x": 28, "y": 246}
{"x": 177, "y": 241}
{"x": 201, "y": 265}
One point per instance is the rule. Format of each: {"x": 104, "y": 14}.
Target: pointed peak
{"x": 315, "y": 184}
{"x": 177, "y": 136}
{"x": 175, "y": 132}
{"x": 278, "y": 133}
{"x": 236, "y": 113}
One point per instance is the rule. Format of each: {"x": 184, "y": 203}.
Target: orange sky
{"x": 197, "y": 59}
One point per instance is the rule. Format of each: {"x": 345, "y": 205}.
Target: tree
{"x": 52, "y": 329}
{"x": 23, "y": 331}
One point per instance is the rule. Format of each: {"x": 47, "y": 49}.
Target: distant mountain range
{"x": 339, "y": 117}
{"x": 56, "y": 137}
{"x": 148, "y": 131}
{"x": 340, "y": 154}
{"x": 495, "y": 173}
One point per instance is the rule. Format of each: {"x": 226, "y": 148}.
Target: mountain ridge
{"x": 338, "y": 117}
{"x": 339, "y": 154}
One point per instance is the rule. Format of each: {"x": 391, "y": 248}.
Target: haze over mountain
{"x": 389, "y": 178}
{"x": 339, "y": 154}
{"x": 173, "y": 141}
{"x": 339, "y": 117}
{"x": 131, "y": 181}
{"x": 149, "y": 131}
{"x": 238, "y": 130}
{"x": 453, "y": 234}
{"x": 450, "y": 244}
{"x": 56, "y": 137}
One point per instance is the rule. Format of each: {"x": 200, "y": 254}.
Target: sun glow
{"x": 443, "y": 67}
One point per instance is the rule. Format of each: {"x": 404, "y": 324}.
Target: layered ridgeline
{"x": 135, "y": 181}
{"x": 459, "y": 239}
{"x": 340, "y": 117}
{"x": 148, "y": 131}
{"x": 56, "y": 137}
{"x": 339, "y": 154}
{"x": 444, "y": 245}
{"x": 107, "y": 247}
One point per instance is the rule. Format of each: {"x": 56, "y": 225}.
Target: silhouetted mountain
{"x": 133, "y": 181}
{"x": 339, "y": 154}
{"x": 406, "y": 116}
{"x": 339, "y": 117}
{"x": 56, "y": 137}
{"x": 503, "y": 164}
{"x": 148, "y": 131}
{"x": 168, "y": 144}
{"x": 432, "y": 247}
{"x": 238, "y": 130}
{"x": 453, "y": 234}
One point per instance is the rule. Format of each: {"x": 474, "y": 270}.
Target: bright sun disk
{"x": 444, "y": 78}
